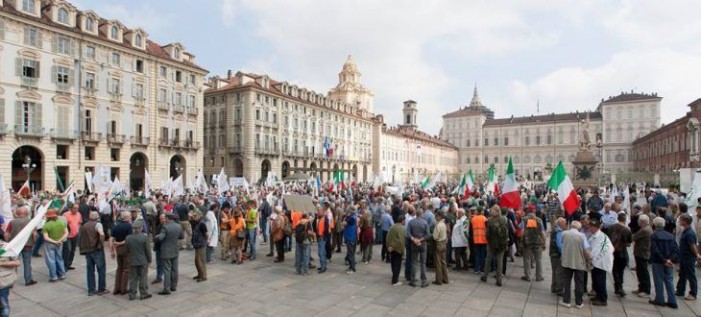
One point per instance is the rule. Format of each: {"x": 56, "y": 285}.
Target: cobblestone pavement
{"x": 262, "y": 287}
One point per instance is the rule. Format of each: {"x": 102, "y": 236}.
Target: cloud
{"x": 136, "y": 15}
{"x": 665, "y": 72}
{"x": 228, "y": 11}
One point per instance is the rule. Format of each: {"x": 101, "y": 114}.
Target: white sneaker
{"x": 350, "y": 272}
{"x": 563, "y": 304}
{"x": 397, "y": 284}
{"x": 579, "y": 306}
{"x": 644, "y": 295}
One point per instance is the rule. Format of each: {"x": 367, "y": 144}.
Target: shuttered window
{"x": 62, "y": 123}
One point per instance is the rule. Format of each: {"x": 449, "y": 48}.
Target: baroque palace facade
{"x": 537, "y": 143}
{"x": 78, "y": 90}
{"x": 255, "y": 125}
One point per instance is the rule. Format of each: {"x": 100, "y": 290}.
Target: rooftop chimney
{"x": 228, "y": 74}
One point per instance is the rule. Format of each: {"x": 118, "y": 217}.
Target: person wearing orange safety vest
{"x": 478, "y": 231}
{"x": 323, "y": 227}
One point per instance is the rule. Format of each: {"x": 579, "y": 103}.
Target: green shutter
{"x": 54, "y": 43}
{"x": 71, "y": 77}
{"x": 97, "y": 81}
{"x": 40, "y": 43}
{"x": 18, "y": 113}
{"x": 2, "y": 110}
{"x": 36, "y": 116}
{"x": 74, "y": 48}
{"x": 37, "y": 67}
{"x": 18, "y": 67}
{"x": 54, "y": 74}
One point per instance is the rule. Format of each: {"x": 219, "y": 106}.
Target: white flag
{"x": 116, "y": 187}
{"x": 177, "y": 186}
{"x": 222, "y": 181}
{"x": 147, "y": 184}
{"x": 5, "y": 201}
{"x": 14, "y": 247}
{"x": 88, "y": 180}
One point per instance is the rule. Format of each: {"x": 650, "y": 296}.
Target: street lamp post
{"x": 28, "y": 167}
{"x": 394, "y": 170}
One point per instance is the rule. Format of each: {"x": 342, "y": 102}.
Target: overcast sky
{"x": 567, "y": 54}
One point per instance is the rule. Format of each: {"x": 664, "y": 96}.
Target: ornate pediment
{"x": 62, "y": 99}
{"x": 28, "y": 94}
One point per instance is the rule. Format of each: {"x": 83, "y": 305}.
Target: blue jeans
{"x": 208, "y": 254}
{"x": 321, "y": 242}
{"x": 252, "y": 242}
{"x": 38, "y": 243}
{"x": 26, "y": 255}
{"x": 302, "y": 254}
{"x": 664, "y": 278}
{"x": 96, "y": 260}
{"x": 687, "y": 273}
{"x": 264, "y": 229}
{"x": 159, "y": 265}
{"x": 5, "y": 302}
{"x": 480, "y": 255}
{"x": 54, "y": 260}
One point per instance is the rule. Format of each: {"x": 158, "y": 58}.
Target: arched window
{"x": 137, "y": 40}
{"x": 63, "y": 16}
{"x": 114, "y": 33}
{"x": 176, "y": 53}
{"x": 90, "y": 24}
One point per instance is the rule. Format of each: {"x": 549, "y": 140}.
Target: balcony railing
{"x": 90, "y": 92}
{"x": 237, "y": 121}
{"x": 63, "y": 134}
{"x": 192, "y": 111}
{"x": 115, "y": 96}
{"x": 162, "y": 105}
{"x": 89, "y": 136}
{"x": 29, "y": 131}
{"x": 139, "y": 101}
{"x": 140, "y": 141}
{"x": 222, "y": 123}
{"x": 164, "y": 142}
{"x": 235, "y": 149}
{"x": 267, "y": 150}
{"x": 179, "y": 109}
{"x": 63, "y": 87}
{"x": 29, "y": 82}
{"x": 115, "y": 138}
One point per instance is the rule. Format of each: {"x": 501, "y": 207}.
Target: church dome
{"x": 349, "y": 65}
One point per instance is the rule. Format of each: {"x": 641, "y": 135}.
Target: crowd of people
{"x": 414, "y": 228}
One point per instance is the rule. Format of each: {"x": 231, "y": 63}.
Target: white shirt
{"x": 212, "y": 229}
{"x": 601, "y": 251}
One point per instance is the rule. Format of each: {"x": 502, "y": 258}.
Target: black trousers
{"x": 396, "y": 260}
{"x": 280, "y": 248}
{"x": 460, "y": 258}
{"x": 598, "y": 282}
{"x": 642, "y": 271}
{"x": 567, "y": 275}
{"x": 384, "y": 254}
{"x": 620, "y": 261}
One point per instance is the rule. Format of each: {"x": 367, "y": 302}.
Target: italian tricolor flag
{"x": 426, "y": 182}
{"x": 461, "y": 187}
{"x": 492, "y": 185}
{"x": 510, "y": 198}
{"x": 470, "y": 184}
{"x": 561, "y": 183}
{"x": 338, "y": 180}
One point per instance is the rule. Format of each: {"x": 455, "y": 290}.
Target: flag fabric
{"x": 15, "y": 246}
{"x": 177, "y": 186}
{"x": 147, "y": 184}
{"x": 59, "y": 181}
{"x": 116, "y": 187}
{"x": 318, "y": 182}
{"x": 5, "y": 201}
{"x": 470, "y": 184}
{"x": 338, "y": 180}
{"x": 492, "y": 185}
{"x": 461, "y": 187}
{"x": 510, "y": 198}
{"x": 69, "y": 190}
{"x": 561, "y": 183}
{"x": 24, "y": 191}
{"x": 88, "y": 181}
{"x": 222, "y": 182}
{"x": 327, "y": 146}
{"x": 625, "y": 205}
{"x": 426, "y": 182}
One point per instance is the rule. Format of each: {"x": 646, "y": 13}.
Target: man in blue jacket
{"x": 350, "y": 236}
{"x": 664, "y": 252}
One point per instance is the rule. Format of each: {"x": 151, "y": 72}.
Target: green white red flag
{"x": 561, "y": 183}
{"x": 510, "y": 198}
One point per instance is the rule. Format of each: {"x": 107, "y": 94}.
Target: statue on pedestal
{"x": 584, "y": 140}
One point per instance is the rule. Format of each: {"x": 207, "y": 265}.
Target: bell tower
{"x": 409, "y": 113}
{"x": 350, "y": 90}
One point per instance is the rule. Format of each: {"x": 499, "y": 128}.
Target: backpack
{"x": 498, "y": 232}
{"x": 301, "y": 232}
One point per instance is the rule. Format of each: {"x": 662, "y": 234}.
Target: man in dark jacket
{"x": 91, "y": 244}
{"x": 199, "y": 242}
{"x": 688, "y": 256}
{"x": 168, "y": 237}
{"x": 139, "y": 250}
{"x": 664, "y": 252}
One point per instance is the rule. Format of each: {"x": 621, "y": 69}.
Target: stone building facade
{"x": 78, "y": 90}
{"x": 537, "y": 143}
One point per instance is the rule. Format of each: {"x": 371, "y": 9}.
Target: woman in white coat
{"x": 212, "y": 231}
